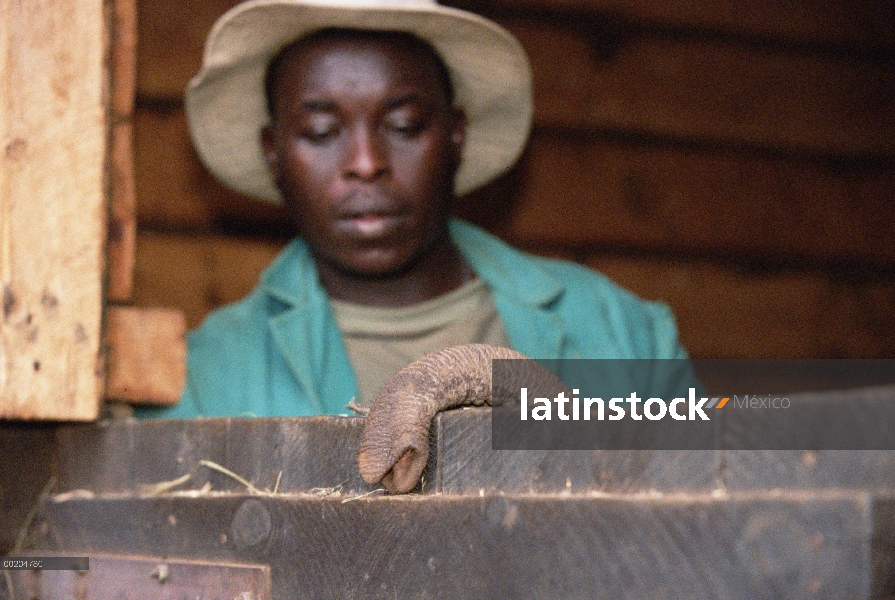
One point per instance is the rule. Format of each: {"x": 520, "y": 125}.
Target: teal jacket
{"x": 278, "y": 352}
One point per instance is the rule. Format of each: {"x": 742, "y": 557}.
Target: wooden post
{"x": 146, "y": 355}
{"x": 53, "y": 132}
{"x": 122, "y": 212}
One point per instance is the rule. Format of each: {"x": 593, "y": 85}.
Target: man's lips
{"x": 369, "y": 215}
{"x": 370, "y": 225}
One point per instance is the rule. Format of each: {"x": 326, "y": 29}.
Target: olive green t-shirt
{"x": 382, "y": 341}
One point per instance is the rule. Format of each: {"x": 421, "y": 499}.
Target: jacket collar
{"x": 506, "y": 270}
{"x": 292, "y": 278}
{"x": 306, "y": 333}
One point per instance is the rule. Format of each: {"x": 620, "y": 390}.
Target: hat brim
{"x": 225, "y": 102}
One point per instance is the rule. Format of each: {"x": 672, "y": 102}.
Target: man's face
{"x": 364, "y": 147}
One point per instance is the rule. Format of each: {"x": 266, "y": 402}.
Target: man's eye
{"x": 407, "y": 127}
{"x": 319, "y": 133}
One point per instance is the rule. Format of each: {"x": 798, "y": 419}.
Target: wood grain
{"x": 197, "y": 273}
{"x": 667, "y": 84}
{"x": 699, "y": 89}
{"x": 869, "y": 25}
{"x": 725, "y": 314}
{"x": 52, "y": 207}
{"x": 122, "y": 227}
{"x": 662, "y": 547}
{"x": 126, "y": 456}
{"x": 175, "y": 190}
{"x": 163, "y": 25}
{"x": 146, "y": 355}
{"x": 597, "y": 193}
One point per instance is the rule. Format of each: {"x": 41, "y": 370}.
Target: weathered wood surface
{"x": 176, "y": 191}
{"x": 140, "y": 577}
{"x": 52, "y": 207}
{"x": 800, "y": 545}
{"x": 725, "y": 313}
{"x": 146, "y": 355}
{"x": 131, "y": 456}
{"x": 122, "y": 229}
{"x": 596, "y": 193}
{"x": 665, "y": 84}
{"x": 321, "y": 453}
{"x": 709, "y": 91}
{"x": 196, "y": 273}
{"x": 842, "y": 24}
{"x": 710, "y": 524}
{"x": 465, "y": 463}
{"x": 122, "y": 226}
{"x": 28, "y": 465}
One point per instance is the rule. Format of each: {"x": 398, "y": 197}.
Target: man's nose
{"x": 365, "y": 156}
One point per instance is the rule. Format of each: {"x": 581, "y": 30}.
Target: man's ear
{"x": 269, "y": 147}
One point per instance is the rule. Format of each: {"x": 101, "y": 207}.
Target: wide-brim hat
{"x": 226, "y": 108}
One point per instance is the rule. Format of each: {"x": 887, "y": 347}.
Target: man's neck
{"x": 441, "y": 269}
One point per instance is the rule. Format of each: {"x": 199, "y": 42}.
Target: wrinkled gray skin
{"x": 395, "y": 444}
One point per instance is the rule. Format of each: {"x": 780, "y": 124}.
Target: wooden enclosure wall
{"x": 736, "y": 160}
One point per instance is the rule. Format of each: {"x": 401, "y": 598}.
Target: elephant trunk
{"x": 395, "y": 444}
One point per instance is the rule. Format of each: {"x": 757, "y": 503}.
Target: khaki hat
{"x": 225, "y": 102}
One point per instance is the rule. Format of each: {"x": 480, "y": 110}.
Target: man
{"x": 366, "y": 118}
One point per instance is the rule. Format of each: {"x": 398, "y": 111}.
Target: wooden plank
{"x": 307, "y": 454}
{"x": 467, "y": 463}
{"x": 172, "y": 186}
{"x": 724, "y": 314}
{"x": 28, "y": 465}
{"x": 52, "y": 207}
{"x": 147, "y": 355}
{"x": 295, "y": 456}
{"x": 733, "y": 547}
{"x": 697, "y": 89}
{"x": 841, "y": 23}
{"x": 140, "y": 577}
{"x": 594, "y": 193}
{"x": 124, "y": 58}
{"x": 165, "y": 24}
{"x": 175, "y": 189}
{"x": 122, "y": 228}
{"x": 197, "y": 273}
{"x": 809, "y": 469}
{"x": 664, "y": 84}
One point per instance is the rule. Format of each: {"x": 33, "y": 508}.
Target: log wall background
{"x": 736, "y": 161}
